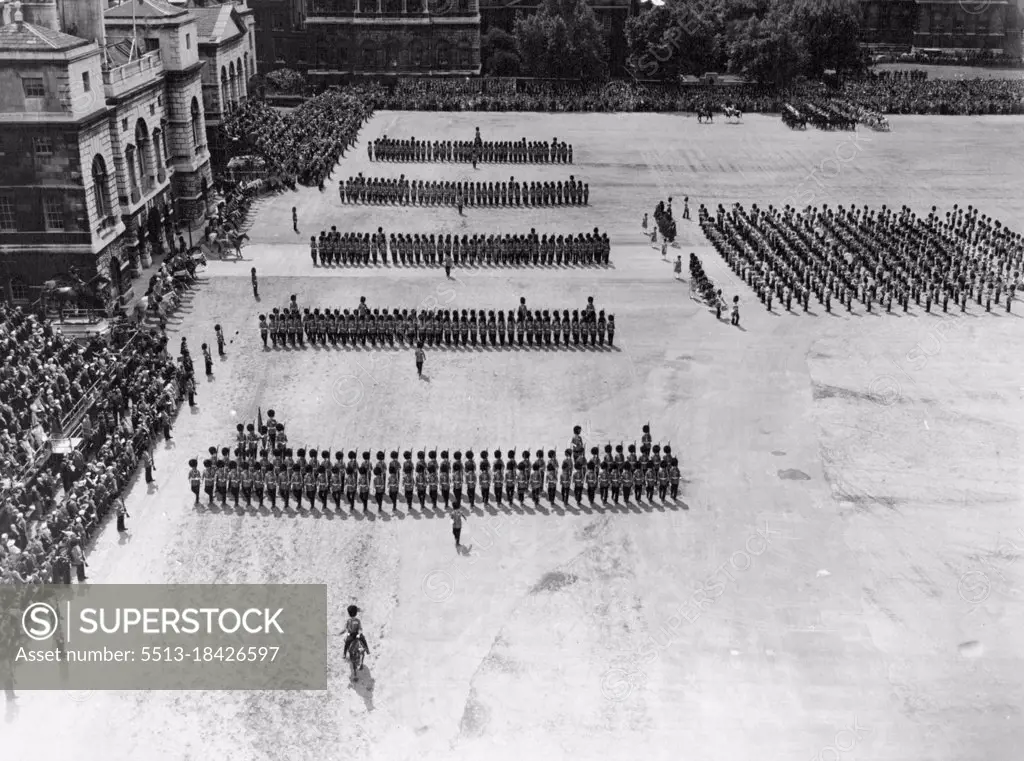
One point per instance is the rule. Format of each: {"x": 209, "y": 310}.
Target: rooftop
{"x": 144, "y": 9}
{"x": 25, "y": 36}
{"x": 216, "y": 22}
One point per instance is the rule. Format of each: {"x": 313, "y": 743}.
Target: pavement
{"x": 840, "y": 577}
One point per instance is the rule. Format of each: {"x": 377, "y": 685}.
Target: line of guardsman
{"x": 258, "y": 473}
{"x": 583, "y": 249}
{"x": 436, "y": 327}
{"x": 387, "y": 190}
{"x": 463, "y": 151}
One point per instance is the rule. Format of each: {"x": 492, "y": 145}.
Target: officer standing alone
{"x": 420, "y": 358}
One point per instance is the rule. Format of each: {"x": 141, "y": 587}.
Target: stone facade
{"x": 988, "y": 25}
{"x": 328, "y": 38}
{"x": 96, "y": 140}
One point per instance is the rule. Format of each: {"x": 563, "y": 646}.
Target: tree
{"x": 531, "y": 35}
{"x": 681, "y": 38}
{"x": 766, "y": 50}
{"x": 286, "y": 81}
{"x": 498, "y": 53}
{"x": 829, "y": 31}
{"x": 562, "y": 40}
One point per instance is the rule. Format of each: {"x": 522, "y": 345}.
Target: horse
{"x": 236, "y": 239}
{"x": 356, "y": 654}
{"x": 705, "y": 112}
{"x": 733, "y": 113}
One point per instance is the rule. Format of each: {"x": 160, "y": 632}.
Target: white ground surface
{"x": 882, "y": 455}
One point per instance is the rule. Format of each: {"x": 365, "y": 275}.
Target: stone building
{"x": 330, "y": 39}
{"x": 103, "y": 136}
{"x": 227, "y": 46}
{"x": 335, "y": 38}
{"x": 956, "y": 25}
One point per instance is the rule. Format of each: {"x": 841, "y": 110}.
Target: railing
{"x": 127, "y": 76}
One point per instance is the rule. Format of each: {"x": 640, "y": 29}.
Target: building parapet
{"x": 119, "y": 80}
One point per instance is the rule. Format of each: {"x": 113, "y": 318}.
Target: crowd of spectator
{"x": 878, "y": 257}
{"x": 128, "y": 391}
{"x": 882, "y": 94}
{"x": 304, "y": 144}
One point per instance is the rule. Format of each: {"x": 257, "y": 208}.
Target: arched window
{"x": 101, "y": 187}
{"x": 142, "y": 144}
{"x": 133, "y": 181}
{"x": 245, "y": 70}
{"x": 158, "y": 154}
{"x": 223, "y": 89}
{"x": 232, "y": 84}
{"x": 196, "y": 126}
{"x": 163, "y": 140}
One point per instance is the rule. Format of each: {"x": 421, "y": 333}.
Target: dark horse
{"x": 356, "y": 653}
{"x": 705, "y": 112}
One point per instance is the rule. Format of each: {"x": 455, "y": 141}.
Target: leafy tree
{"x": 677, "y": 38}
{"x": 531, "y": 35}
{"x": 829, "y": 31}
{"x": 286, "y": 81}
{"x": 498, "y": 53}
{"x": 503, "y": 64}
{"x": 767, "y": 50}
{"x": 562, "y": 40}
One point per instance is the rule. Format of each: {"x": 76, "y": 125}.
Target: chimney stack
{"x": 83, "y": 19}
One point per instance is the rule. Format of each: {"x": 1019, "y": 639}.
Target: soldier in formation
{"x": 876, "y": 257}
{"x": 333, "y": 248}
{"x": 262, "y": 467}
{"x": 387, "y": 328}
{"x": 520, "y": 151}
{"x": 510, "y": 193}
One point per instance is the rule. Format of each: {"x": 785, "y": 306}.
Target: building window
{"x": 163, "y": 139}
{"x": 152, "y": 43}
{"x": 6, "y": 214}
{"x": 188, "y": 41}
{"x": 101, "y": 187}
{"x": 42, "y": 146}
{"x": 86, "y": 85}
{"x": 196, "y": 142}
{"x": 152, "y": 109}
{"x": 33, "y": 87}
{"x": 19, "y": 290}
{"x": 160, "y": 100}
{"x": 124, "y": 125}
{"x": 278, "y": 22}
{"x": 53, "y": 213}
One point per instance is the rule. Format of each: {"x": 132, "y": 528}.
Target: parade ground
{"x": 840, "y": 578}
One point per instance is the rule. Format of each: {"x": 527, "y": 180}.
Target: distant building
{"x": 954, "y": 25}
{"x": 103, "y": 134}
{"x": 331, "y": 39}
